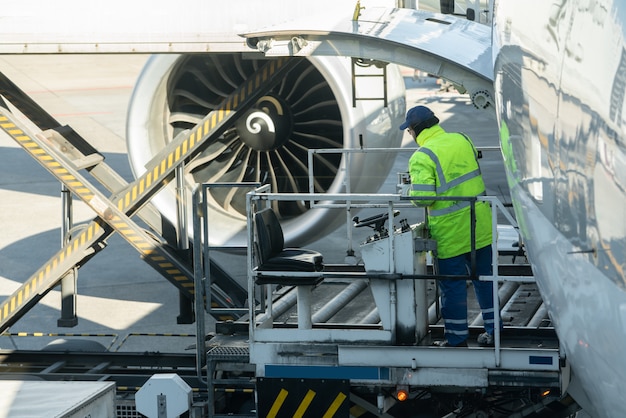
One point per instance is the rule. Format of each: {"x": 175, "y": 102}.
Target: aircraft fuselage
{"x": 560, "y": 82}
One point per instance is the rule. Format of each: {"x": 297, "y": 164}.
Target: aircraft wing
{"x": 443, "y": 45}
{"x": 456, "y": 49}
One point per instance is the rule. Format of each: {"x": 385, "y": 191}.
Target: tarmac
{"x": 122, "y": 302}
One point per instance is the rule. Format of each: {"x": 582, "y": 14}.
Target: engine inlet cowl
{"x": 310, "y": 108}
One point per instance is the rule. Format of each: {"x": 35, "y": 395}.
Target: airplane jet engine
{"x": 311, "y": 107}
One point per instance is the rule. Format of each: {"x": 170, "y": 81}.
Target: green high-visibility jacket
{"x": 446, "y": 164}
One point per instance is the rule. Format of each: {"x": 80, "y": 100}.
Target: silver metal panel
{"x": 418, "y": 357}
{"x": 321, "y": 335}
{"x": 447, "y": 377}
{"x": 23, "y": 398}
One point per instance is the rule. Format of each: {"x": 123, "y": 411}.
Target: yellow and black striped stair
{"x": 65, "y": 162}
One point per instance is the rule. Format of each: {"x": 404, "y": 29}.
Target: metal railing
{"x": 262, "y": 197}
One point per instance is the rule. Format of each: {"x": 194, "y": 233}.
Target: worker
{"x": 446, "y": 164}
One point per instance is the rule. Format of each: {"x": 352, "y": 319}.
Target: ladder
{"x": 366, "y": 68}
{"x": 66, "y": 155}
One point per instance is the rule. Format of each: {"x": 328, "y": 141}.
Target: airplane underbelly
{"x": 587, "y": 309}
{"x": 560, "y": 99}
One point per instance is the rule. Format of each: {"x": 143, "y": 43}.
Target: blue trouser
{"x": 454, "y": 294}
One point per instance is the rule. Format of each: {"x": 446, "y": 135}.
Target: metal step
{"x": 228, "y": 354}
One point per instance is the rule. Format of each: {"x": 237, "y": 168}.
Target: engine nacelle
{"x": 312, "y": 107}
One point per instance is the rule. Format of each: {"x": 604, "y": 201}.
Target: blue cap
{"x": 417, "y": 115}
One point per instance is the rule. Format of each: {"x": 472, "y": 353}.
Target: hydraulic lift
{"x": 304, "y": 355}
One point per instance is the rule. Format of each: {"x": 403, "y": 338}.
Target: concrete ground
{"x": 118, "y": 294}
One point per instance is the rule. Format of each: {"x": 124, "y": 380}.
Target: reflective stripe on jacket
{"x": 446, "y": 165}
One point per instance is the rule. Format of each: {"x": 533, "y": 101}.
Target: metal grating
{"x": 228, "y": 353}
{"x": 127, "y": 409}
